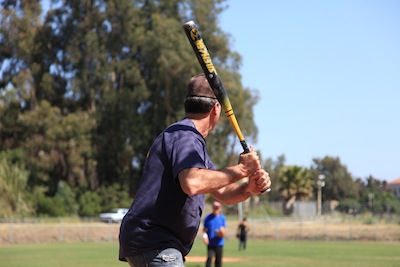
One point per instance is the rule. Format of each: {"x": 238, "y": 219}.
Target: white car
{"x": 114, "y": 215}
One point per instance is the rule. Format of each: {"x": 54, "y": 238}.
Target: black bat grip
{"x": 245, "y": 147}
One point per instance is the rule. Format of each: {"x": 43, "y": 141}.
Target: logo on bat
{"x": 194, "y": 34}
{"x": 201, "y": 47}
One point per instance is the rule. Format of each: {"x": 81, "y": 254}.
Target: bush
{"x": 369, "y": 220}
{"x": 62, "y": 204}
{"x": 13, "y": 186}
{"x": 349, "y": 206}
{"x": 50, "y": 206}
{"x": 68, "y": 198}
{"x": 114, "y": 196}
{"x": 89, "y": 204}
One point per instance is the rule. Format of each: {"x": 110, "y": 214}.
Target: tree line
{"x": 86, "y": 86}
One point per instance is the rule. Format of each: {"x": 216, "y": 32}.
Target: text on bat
{"x": 205, "y": 56}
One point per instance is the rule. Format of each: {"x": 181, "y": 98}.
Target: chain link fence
{"x": 38, "y": 230}
{"x": 329, "y": 228}
{"x": 324, "y": 228}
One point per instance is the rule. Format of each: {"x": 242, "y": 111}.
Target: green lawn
{"x": 258, "y": 253}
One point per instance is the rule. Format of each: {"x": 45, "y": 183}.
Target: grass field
{"x": 258, "y": 253}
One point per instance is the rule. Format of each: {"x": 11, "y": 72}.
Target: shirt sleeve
{"x": 187, "y": 152}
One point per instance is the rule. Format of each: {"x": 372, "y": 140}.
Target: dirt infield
{"x": 203, "y": 259}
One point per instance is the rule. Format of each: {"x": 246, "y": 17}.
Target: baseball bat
{"x": 212, "y": 76}
{"x": 215, "y": 82}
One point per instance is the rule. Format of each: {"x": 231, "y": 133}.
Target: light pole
{"x": 370, "y": 199}
{"x": 320, "y": 183}
{"x": 240, "y": 211}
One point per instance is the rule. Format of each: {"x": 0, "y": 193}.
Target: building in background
{"x": 395, "y": 187}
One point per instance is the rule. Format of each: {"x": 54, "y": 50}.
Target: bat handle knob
{"x": 266, "y": 191}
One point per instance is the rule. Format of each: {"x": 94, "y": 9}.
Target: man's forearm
{"x": 202, "y": 181}
{"x": 233, "y": 193}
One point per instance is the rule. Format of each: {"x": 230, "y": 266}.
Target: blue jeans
{"x": 169, "y": 257}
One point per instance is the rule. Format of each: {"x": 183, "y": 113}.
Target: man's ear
{"x": 216, "y": 108}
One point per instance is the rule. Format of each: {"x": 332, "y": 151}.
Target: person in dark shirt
{"x": 163, "y": 220}
{"x": 243, "y": 229}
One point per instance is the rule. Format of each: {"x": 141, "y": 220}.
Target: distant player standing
{"x": 243, "y": 229}
{"x": 214, "y": 227}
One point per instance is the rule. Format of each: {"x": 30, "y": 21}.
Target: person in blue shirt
{"x": 164, "y": 218}
{"x": 214, "y": 232}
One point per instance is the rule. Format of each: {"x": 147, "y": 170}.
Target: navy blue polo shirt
{"x": 162, "y": 215}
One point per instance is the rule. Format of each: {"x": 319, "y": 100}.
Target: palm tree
{"x": 296, "y": 184}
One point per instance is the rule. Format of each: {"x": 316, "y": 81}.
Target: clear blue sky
{"x": 328, "y": 73}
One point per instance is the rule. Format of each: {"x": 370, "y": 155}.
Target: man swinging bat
{"x": 162, "y": 223}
